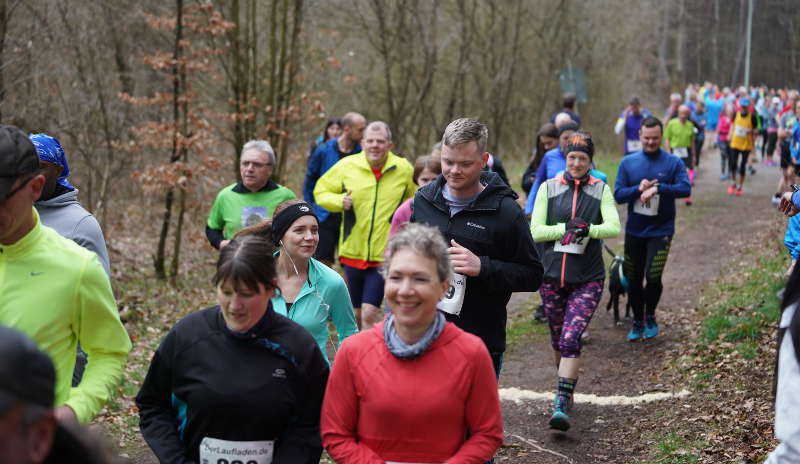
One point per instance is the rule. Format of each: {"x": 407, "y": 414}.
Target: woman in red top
{"x": 414, "y": 389}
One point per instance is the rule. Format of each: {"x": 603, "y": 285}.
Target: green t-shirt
{"x": 235, "y": 208}
{"x": 679, "y": 135}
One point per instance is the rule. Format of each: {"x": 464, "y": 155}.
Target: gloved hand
{"x": 576, "y": 228}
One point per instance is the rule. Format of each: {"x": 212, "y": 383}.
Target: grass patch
{"x": 674, "y": 449}
{"x": 522, "y": 329}
{"x": 701, "y": 380}
{"x": 744, "y": 312}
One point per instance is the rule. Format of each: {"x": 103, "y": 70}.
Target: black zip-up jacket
{"x": 494, "y": 228}
{"x": 204, "y": 381}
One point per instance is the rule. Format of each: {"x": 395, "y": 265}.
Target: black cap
{"x": 27, "y": 373}
{"x": 17, "y": 157}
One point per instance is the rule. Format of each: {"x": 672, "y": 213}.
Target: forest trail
{"x": 612, "y": 366}
{"x": 620, "y": 381}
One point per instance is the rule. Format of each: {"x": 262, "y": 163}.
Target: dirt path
{"x": 708, "y": 236}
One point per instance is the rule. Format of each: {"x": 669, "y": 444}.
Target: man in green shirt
{"x": 250, "y": 201}
{"x": 53, "y": 290}
{"x": 679, "y": 138}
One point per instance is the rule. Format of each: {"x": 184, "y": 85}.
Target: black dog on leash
{"x": 617, "y": 286}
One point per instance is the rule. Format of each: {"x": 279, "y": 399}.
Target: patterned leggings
{"x": 569, "y": 310}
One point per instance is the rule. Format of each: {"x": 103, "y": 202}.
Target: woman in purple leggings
{"x": 572, "y": 212}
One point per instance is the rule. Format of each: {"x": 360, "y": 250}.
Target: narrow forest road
{"x": 708, "y": 235}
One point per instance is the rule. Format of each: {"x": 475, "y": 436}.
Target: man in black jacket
{"x": 490, "y": 241}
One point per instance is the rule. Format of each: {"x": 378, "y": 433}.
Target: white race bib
{"x": 634, "y": 145}
{"x": 681, "y": 152}
{"x": 216, "y": 451}
{"x": 454, "y": 297}
{"x": 650, "y": 208}
{"x": 740, "y": 131}
{"x": 574, "y": 248}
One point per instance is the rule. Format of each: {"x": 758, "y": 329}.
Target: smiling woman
{"x": 308, "y": 292}
{"x": 434, "y": 380}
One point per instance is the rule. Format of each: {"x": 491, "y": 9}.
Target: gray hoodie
{"x": 64, "y": 214}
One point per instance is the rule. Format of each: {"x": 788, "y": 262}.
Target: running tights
{"x": 569, "y": 310}
{"x": 645, "y": 257}
{"x": 738, "y": 158}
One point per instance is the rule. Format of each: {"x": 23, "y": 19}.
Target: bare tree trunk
{"x": 680, "y": 43}
{"x": 159, "y": 260}
{"x": 715, "y": 43}
{"x": 663, "y": 50}
{"x": 740, "y": 30}
{"x": 3, "y": 29}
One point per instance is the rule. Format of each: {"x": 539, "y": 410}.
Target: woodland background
{"x": 152, "y": 100}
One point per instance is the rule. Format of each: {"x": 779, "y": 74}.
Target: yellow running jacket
{"x": 365, "y": 227}
{"x": 57, "y": 293}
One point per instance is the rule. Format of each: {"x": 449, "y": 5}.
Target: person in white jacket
{"x": 787, "y": 401}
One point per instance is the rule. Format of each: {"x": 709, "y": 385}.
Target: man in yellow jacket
{"x": 367, "y": 188}
{"x": 53, "y": 290}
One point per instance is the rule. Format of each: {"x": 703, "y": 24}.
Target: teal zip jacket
{"x": 58, "y": 294}
{"x": 324, "y": 294}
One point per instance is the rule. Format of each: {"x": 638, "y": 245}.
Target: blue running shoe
{"x": 650, "y": 328}
{"x": 559, "y": 420}
{"x": 637, "y": 332}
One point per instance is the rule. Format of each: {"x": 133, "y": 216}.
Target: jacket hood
{"x": 490, "y": 198}
{"x": 64, "y": 199}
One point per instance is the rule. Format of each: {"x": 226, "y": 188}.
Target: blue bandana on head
{"x": 49, "y": 149}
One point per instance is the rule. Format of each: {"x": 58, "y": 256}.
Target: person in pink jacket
{"x": 415, "y": 388}
{"x": 426, "y": 169}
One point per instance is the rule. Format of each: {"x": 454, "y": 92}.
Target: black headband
{"x": 284, "y": 219}
{"x": 583, "y": 148}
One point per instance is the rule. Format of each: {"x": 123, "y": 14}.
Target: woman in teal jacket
{"x": 308, "y": 292}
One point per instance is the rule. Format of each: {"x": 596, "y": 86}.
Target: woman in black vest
{"x": 573, "y": 211}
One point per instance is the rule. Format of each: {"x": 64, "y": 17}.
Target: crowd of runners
{"x": 369, "y": 317}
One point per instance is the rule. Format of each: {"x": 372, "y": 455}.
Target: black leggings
{"x": 645, "y": 257}
{"x": 735, "y": 155}
{"x": 770, "y": 140}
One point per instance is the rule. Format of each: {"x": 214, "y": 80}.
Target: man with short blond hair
{"x": 491, "y": 247}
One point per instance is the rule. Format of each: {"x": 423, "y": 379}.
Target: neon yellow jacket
{"x": 365, "y": 227}
{"x": 58, "y": 294}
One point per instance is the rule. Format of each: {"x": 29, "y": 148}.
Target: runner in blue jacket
{"x": 649, "y": 181}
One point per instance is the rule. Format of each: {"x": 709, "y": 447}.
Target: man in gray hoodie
{"x": 59, "y": 209}
{"x": 58, "y": 206}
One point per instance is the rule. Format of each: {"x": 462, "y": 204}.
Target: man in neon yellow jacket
{"x": 367, "y": 187}
{"x": 53, "y": 290}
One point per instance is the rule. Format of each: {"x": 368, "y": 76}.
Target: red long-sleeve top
{"x": 380, "y": 408}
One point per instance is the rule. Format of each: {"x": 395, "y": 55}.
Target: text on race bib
{"x": 575, "y": 248}
{"x": 681, "y": 152}
{"x": 453, "y": 299}
{"x": 648, "y": 208}
{"x": 216, "y": 451}
{"x": 634, "y": 145}
{"x": 740, "y": 131}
